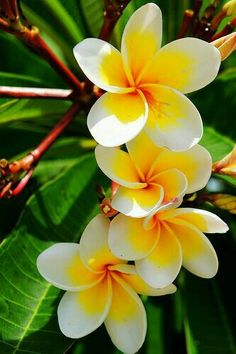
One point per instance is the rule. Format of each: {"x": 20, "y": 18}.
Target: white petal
{"x": 138, "y": 203}
{"x": 199, "y": 256}
{"x": 102, "y": 64}
{"x": 115, "y": 119}
{"x": 204, "y": 220}
{"x": 129, "y": 240}
{"x": 141, "y": 39}
{"x": 174, "y": 184}
{"x": 94, "y": 245}
{"x": 61, "y": 265}
{"x": 126, "y": 321}
{"x": 162, "y": 266}
{"x": 118, "y": 166}
{"x": 186, "y": 64}
{"x": 138, "y": 154}
{"x": 173, "y": 120}
{"x": 142, "y": 288}
{"x": 195, "y": 163}
{"x": 80, "y": 313}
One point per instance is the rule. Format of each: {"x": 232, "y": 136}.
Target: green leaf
{"x": 57, "y": 25}
{"x": 207, "y": 326}
{"x": 92, "y": 12}
{"x": 56, "y": 213}
{"x": 17, "y": 58}
{"x": 217, "y": 144}
{"x": 216, "y": 103}
{"x": 25, "y": 109}
{"x": 63, "y": 155}
{"x": 14, "y": 79}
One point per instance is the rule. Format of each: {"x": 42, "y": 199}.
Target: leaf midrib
{"x": 27, "y": 327}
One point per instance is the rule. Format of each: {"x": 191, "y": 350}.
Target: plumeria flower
{"x": 163, "y": 242}
{"x": 150, "y": 176}
{"x": 146, "y": 84}
{"x": 100, "y": 288}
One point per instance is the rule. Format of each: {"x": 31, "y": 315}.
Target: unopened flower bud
{"x": 227, "y": 165}
{"x": 230, "y": 8}
{"x": 223, "y": 201}
{"x": 226, "y": 45}
{"x": 106, "y": 208}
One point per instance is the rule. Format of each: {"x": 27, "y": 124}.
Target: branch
{"x": 39, "y": 45}
{"x": 35, "y": 92}
{"x": 187, "y": 22}
{"x": 113, "y": 11}
{"x": 10, "y": 173}
{"x": 34, "y": 156}
{"x": 31, "y": 36}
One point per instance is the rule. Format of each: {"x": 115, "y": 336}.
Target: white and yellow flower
{"x": 150, "y": 176}
{"x": 100, "y": 288}
{"x": 146, "y": 84}
{"x": 163, "y": 242}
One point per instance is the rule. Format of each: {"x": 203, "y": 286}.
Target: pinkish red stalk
{"x": 32, "y": 158}
{"x": 113, "y": 11}
{"x": 35, "y": 92}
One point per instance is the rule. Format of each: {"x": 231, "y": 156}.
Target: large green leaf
{"x": 92, "y": 12}
{"x": 61, "y": 156}
{"x": 17, "y": 58}
{"x": 216, "y": 104}
{"x": 25, "y": 109}
{"x": 58, "y": 24}
{"x": 209, "y": 304}
{"x": 57, "y": 212}
{"x": 207, "y": 326}
{"x": 217, "y": 144}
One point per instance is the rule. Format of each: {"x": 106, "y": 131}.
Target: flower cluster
{"x": 141, "y": 250}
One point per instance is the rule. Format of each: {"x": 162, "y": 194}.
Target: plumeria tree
{"x": 117, "y": 168}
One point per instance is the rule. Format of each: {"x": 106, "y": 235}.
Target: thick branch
{"x": 35, "y": 92}
{"x": 11, "y": 181}
{"x": 39, "y": 45}
{"x": 112, "y": 13}
{"x": 33, "y": 39}
{"x": 34, "y": 156}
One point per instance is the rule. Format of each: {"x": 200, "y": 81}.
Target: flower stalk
{"x": 112, "y": 12}
{"x": 10, "y": 173}
{"x": 206, "y": 26}
{"x": 11, "y": 21}
{"x": 35, "y": 92}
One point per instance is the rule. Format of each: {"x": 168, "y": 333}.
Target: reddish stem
{"x": 33, "y": 39}
{"x": 114, "y": 188}
{"x": 56, "y": 131}
{"x": 22, "y": 184}
{"x": 112, "y": 13}
{"x": 226, "y": 30}
{"x": 35, "y": 92}
{"x": 33, "y": 157}
{"x": 187, "y": 20}
{"x": 40, "y": 46}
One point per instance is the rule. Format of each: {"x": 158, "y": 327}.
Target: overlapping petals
{"x": 150, "y": 176}
{"x": 100, "y": 288}
{"x": 166, "y": 240}
{"x": 145, "y": 84}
